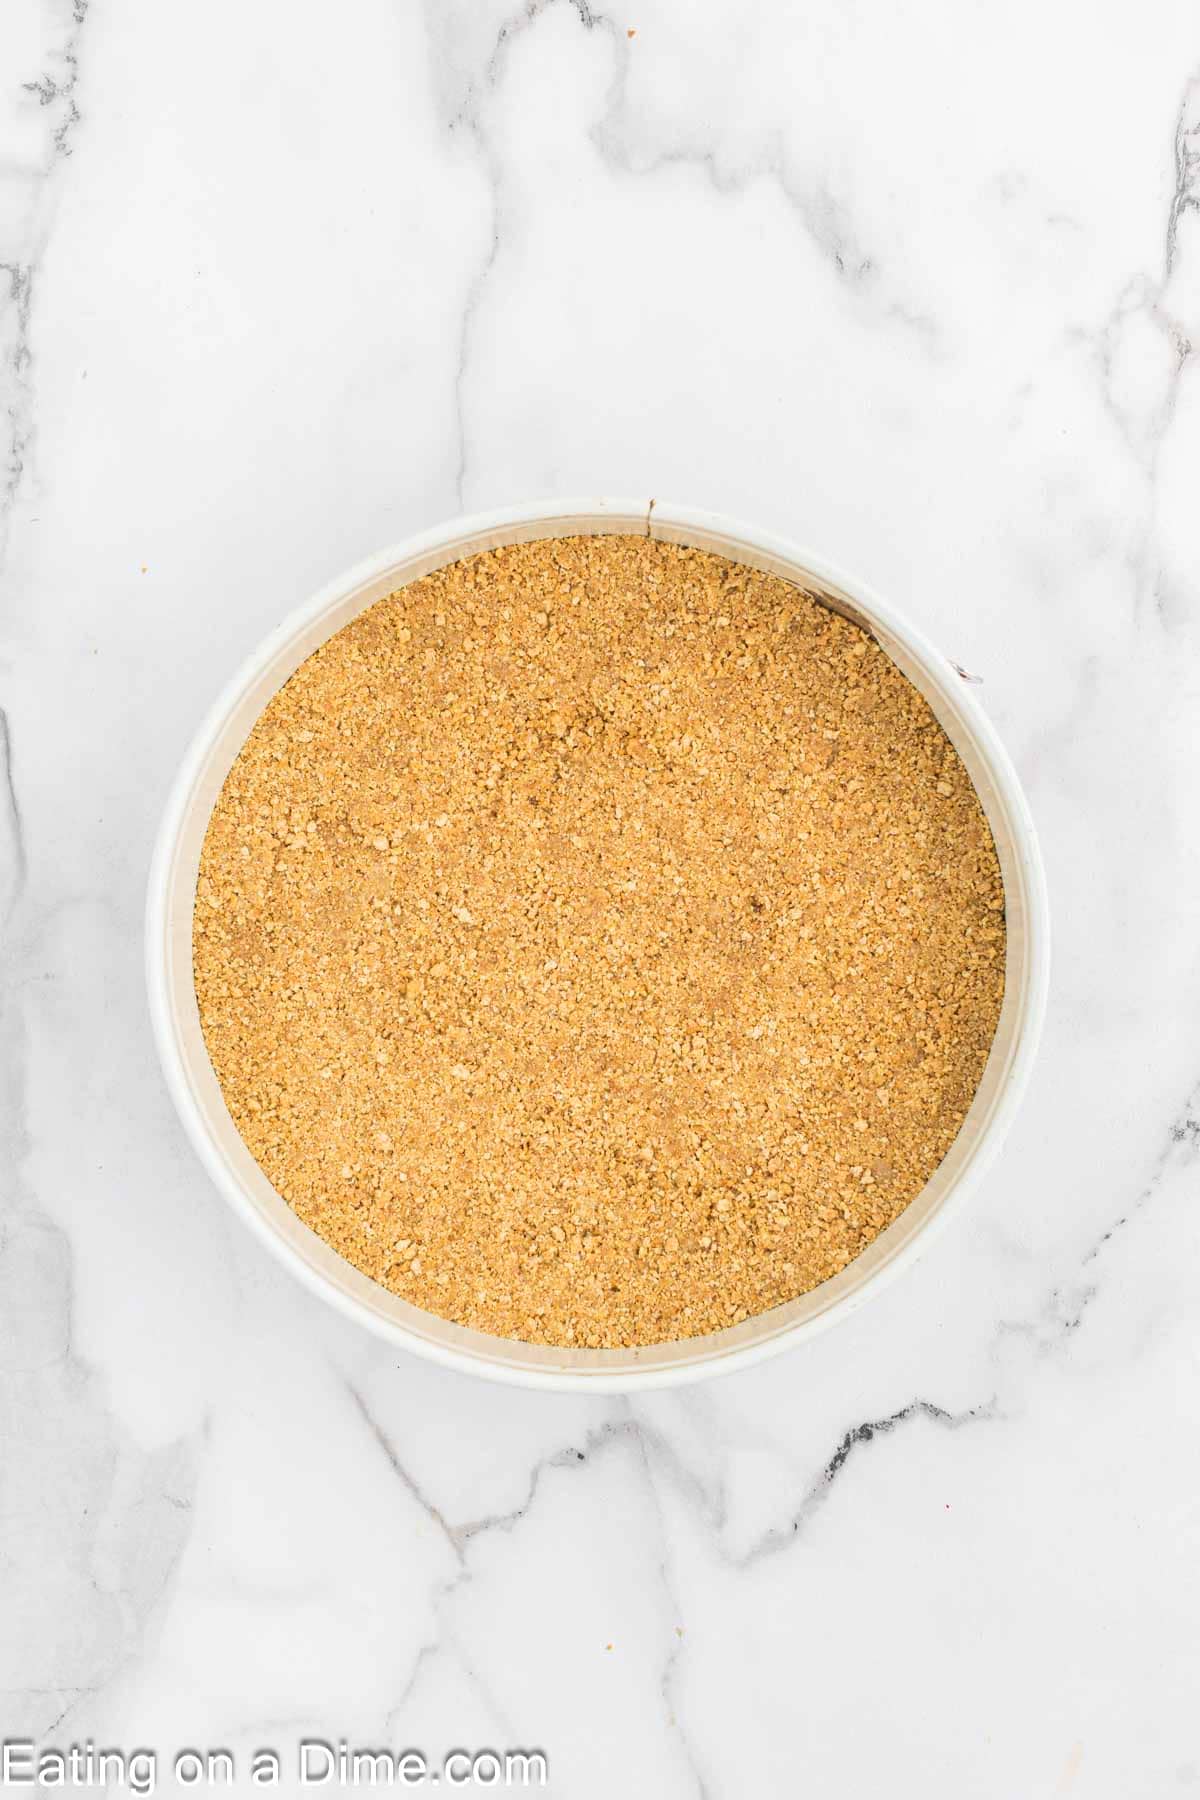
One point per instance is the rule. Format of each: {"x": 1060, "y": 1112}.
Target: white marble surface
{"x": 917, "y": 284}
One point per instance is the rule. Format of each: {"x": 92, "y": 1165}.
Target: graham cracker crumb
{"x": 598, "y": 942}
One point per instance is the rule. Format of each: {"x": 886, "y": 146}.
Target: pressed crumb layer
{"x": 598, "y": 942}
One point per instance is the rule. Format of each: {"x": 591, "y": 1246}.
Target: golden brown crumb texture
{"x": 598, "y": 942}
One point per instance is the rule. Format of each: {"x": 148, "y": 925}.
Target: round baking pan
{"x": 197, "y": 1095}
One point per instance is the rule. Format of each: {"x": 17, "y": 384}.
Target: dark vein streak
{"x": 12, "y": 806}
